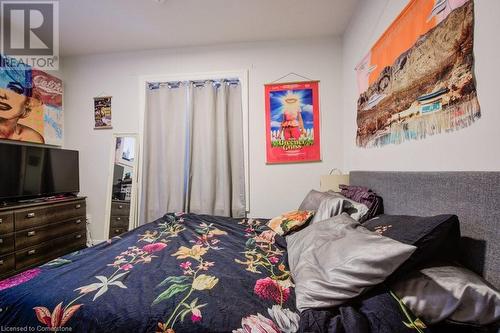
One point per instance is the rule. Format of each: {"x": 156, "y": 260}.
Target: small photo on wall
{"x": 102, "y": 112}
{"x": 292, "y": 122}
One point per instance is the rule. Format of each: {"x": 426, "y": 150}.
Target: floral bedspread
{"x": 181, "y": 273}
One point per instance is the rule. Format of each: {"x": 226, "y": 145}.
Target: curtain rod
{"x": 196, "y": 83}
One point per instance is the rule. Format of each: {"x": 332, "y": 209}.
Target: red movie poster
{"x": 292, "y": 122}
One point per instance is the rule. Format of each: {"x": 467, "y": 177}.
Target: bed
{"x": 200, "y": 273}
{"x": 183, "y": 272}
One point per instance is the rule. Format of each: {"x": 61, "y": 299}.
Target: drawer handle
{"x": 118, "y": 218}
{"x": 78, "y": 206}
{"x": 1, "y": 240}
{"x": 31, "y": 233}
{"x": 78, "y": 221}
{"x": 1, "y": 262}
{"x": 31, "y": 252}
{"x": 117, "y": 231}
{"x": 120, "y": 207}
{"x": 30, "y": 215}
{"x": 1, "y": 220}
{"x": 78, "y": 236}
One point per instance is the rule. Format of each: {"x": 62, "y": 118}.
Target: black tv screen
{"x": 30, "y": 171}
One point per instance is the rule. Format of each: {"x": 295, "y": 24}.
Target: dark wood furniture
{"x": 34, "y": 233}
{"x": 120, "y": 215}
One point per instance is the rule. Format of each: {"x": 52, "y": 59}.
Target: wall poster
{"x": 30, "y": 104}
{"x": 102, "y": 112}
{"x": 292, "y": 122}
{"x": 418, "y": 79}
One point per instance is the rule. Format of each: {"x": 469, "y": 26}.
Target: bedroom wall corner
{"x": 274, "y": 189}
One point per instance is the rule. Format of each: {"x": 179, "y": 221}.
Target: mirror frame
{"x": 134, "y": 209}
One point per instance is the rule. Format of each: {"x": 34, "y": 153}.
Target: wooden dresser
{"x": 120, "y": 215}
{"x": 33, "y": 233}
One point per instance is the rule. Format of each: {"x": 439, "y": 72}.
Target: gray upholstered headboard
{"x": 473, "y": 196}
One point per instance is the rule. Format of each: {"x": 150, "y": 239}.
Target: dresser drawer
{"x": 116, "y": 232}
{"x": 34, "y": 236}
{"x": 7, "y": 265}
{"x": 6, "y": 244}
{"x": 54, "y": 248}
{"x": 34, "y": 217}
{"x": 6, "y": 223}
{"x": 119, "y": 222}
{"x": 120, "y": 209}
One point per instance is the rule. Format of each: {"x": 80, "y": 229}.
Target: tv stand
{"x": 37, "y": 200}
{"x": 33, "y": 233}
{"x": 26, "y": 201}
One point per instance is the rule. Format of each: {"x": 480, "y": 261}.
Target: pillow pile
{"x": 335, "y": 260}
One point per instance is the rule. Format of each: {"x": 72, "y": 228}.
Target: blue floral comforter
{"x": 181, "y": 273}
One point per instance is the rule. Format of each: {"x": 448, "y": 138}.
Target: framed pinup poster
{"x": 102, "y": 112}
{"x": 292, "y": 122}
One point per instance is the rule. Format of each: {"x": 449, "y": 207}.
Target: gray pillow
{"x": 448, "y": 292}
{"x": 313, "y": 200}
{"x": 330, "y": 203}
{"x": 335, "y": 204}
{"x": 335, "y": 260}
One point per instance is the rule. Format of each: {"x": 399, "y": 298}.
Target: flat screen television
{"x": 31, "y": 171}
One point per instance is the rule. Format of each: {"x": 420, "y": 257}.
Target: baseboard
{"x": 96, "y": 242}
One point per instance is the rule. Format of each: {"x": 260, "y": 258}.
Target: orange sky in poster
{"x": 401, "y": 35}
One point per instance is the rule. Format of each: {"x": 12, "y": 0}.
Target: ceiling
{"x": 103, "y": 26}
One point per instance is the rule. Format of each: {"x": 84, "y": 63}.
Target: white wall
{"x": 472, "y": 148}
{"x": 273, "y": 188}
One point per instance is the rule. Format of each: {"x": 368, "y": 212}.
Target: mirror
{"x": 122, "y": 193}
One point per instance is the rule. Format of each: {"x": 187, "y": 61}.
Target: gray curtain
{"x": 194, "y": 156}
{"x": 164, "y": 166}
{"x": 217, "y": 179}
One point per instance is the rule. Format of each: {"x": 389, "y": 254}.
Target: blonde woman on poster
{"x": 16, "y": 104}
{"x": 292, "y": 125}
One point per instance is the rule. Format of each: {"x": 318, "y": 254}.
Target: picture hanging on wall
{"x": 102, "y": 112}
{"x": 418, "y": 80}
{"x": 292, "y": 122}
{"x": 30, "y": 104}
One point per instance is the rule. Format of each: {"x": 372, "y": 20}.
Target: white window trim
{"x": 241, "y": 75}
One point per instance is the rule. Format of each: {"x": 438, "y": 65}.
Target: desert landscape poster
{"x": 418, "y": 78}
